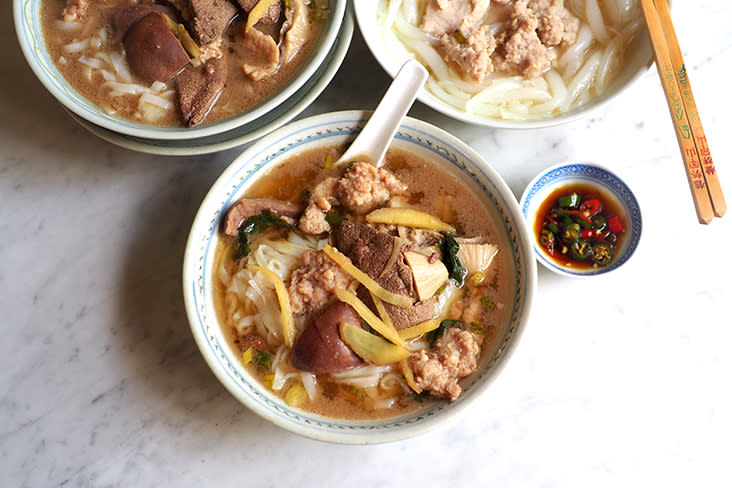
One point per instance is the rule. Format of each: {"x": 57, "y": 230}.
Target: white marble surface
{"x": 101, "y": 383}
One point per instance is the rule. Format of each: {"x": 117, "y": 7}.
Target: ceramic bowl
{"x": 609, "y": 184}
{"x": 339, "y": 128}
{"x": 248, "y": 132}
{"x": 391, "y": 55}
{"x": 27, "y": 16}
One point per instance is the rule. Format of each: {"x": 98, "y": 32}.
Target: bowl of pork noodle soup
{"x": 512, "y": 63}
{"x": 353, "y": 303}
{"x": 175, "y": 70}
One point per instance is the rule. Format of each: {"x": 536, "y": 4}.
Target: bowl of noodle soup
{"x": 80, "y": 61}
{"x": 232, "y": 308}
{"x": 607, "y": 51}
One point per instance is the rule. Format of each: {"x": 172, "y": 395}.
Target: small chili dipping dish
{"x": 584, "y": 219}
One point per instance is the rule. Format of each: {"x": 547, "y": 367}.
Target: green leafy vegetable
{"x": 434, "y": 335}
{"x": 262, "y": 359}
{"x": 254, "y": 225}
{"x": 450, "y": 248}
{"x": 334, "y": 218}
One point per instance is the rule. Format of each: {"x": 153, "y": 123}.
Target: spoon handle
{"x": 371, "y": 144}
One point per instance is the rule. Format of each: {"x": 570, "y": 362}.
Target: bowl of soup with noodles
{"x": 512, "y": 63}
{"x": 351, "y": 302}
{"x": 175, "y": 70}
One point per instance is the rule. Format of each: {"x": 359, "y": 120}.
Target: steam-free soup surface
{"x": 92, "y": 57}
{"x": 480, "y": 302}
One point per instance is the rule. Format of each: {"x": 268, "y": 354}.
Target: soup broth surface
{"x": 432, "y": 190}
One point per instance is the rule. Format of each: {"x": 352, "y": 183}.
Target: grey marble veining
{"x": 101, "y": 383}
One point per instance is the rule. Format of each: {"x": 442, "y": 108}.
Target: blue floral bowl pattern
{"x": 338, "y": 129}
{"x": 581, "y": 172}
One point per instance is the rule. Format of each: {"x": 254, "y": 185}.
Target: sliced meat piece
{"x": 209, "y": 18}
{"x": 313, "y": 284}
{"x": 259, "y": 54}
{"x": 402, "y": 317}
{"x": 272, "y": 14}
{"x": 295, "y": 30}
{"x": 153, "y": 52}
{"x": 121, "y": 18}
{"x": 446, "y": 16}
{"x": 198, "y": 89}
{"x": 370, "y": 250}
{"x": 364, "y": 187}
{"x": 321, "y": 200}
{"x": 454, "y": 356}
{"x": 320, "y": 349}
{"x": 247, "y": 207}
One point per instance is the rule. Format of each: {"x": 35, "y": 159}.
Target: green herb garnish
{"x": 434, "y": 335}
{"x": 254, "y": 225}
{"x": 262, "y": 359}
{"x": 450, "y": 248}
{"x": 334, "y": 218}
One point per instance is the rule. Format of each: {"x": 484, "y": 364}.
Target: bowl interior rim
{"x": 29, "y": 32}
{"x": 221, "y": 195}
{"x": 600, "y": 175}
{"x": 365, "y": 18}
{"x": 289, "y": 109}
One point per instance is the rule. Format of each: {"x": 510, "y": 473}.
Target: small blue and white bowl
{"x": 571, "y": 173}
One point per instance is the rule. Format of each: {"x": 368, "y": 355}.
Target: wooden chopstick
{"x": 698, "y": 163}
{"x": 697, "y": 131}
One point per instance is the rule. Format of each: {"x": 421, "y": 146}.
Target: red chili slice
{"x": 616, "y": 224}
{"x": 588, "y": 233}
{"x": 591, "y": 207}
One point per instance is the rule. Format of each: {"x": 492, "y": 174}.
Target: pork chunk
{"x": 321, "y": 200}
{"x": 446, "y": 16}
{"x": 454, "y": 356}
{"x": 364, "y": 187}
{"x": 473, "y": 56}
{"x": 313, "y": 284}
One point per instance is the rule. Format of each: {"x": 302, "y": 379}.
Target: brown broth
{"x": 610, "y": 207}
{"x": 240, "y": 93}
{"x": 428, "y": 185}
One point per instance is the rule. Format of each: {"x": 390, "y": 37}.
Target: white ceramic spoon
{"x": 371, "y": 144}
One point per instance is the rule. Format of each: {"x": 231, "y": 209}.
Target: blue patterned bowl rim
{"x": 338, "y": 128}
{"x": 563, "y": 174}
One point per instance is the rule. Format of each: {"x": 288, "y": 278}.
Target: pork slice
{"x": 259, "y": 54}
{"x": 247, "y": 207}
{"x": 368, "y": 248}
{"x": 121, "y": 18}
{"x": 402, "y": 317}
{"x": 272, "y": 14}
{"x": 199, "y": 87}
{"x": 446, "y": 16}
{"x": 210, "y": 18}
